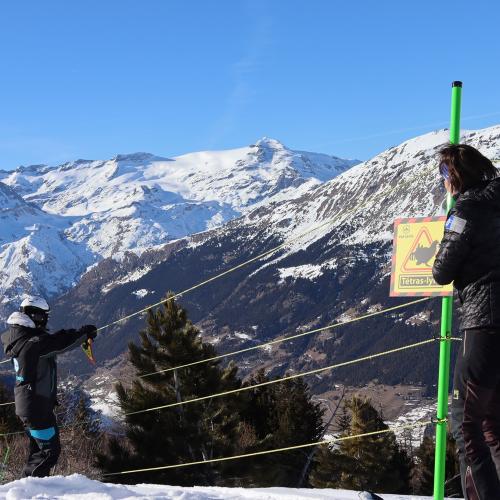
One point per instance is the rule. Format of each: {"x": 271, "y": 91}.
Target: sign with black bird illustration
{"x": 416, "y": 242}
{"x": 423, "y": 254}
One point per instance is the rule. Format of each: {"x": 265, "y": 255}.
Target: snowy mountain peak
{"x": 269, "y": 143}
{"x": 77, "y": 213}
{"x": 37, "y": 168}
{"x": 138, "y": 158}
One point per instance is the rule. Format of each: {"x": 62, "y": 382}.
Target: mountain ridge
{"x": 337, "y": 272}
{"x": 88, "y": 210}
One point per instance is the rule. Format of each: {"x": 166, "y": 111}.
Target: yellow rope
{"x": 288, "y": 377}
{"x": 68, "y": 426}
{"x": 277, "y": 341}
{"x": 12, "y": 433}
{"x": 346, "y": 214}
{"x": 286, "y": 339}
{"x": 13, "y": 402}
{"x": 335, "y": 325}
{"x": 278, "y": 450}
{"x": 216, "y": 277}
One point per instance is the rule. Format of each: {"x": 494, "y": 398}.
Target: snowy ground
{"x": 77, "y": 487}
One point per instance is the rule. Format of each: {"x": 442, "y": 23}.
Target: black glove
{"x": 89, "y": 330}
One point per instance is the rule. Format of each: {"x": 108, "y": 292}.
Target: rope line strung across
{"x": 12, "y": 433}
{"x": 335, "y": 325}
{"x": 68, "y": 426}
{"x": 277, "y": 450}
{"x": 13, "y": 402}
{"x": 439, "y": 339}
{"x": 291, "y": 337}
{"x": 332, "y": 220}
{"x": 288, "y": 377}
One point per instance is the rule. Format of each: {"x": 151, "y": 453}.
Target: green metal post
{"x": 446, "y": 316}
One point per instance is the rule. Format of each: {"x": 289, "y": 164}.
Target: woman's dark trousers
{"x": 475, "y": 413}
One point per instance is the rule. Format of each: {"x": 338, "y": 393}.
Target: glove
{"x": 89, "y": 330}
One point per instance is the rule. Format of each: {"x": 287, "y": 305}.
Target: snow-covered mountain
{"x": 331, "y": 274}
{"x": 34, "y": 253}
{"x": 58, "y": 221}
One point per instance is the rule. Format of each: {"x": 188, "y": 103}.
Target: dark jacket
{"x": 33, "y": 352}
{"x": 469, "y": 255}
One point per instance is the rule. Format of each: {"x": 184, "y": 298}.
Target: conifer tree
{"x": 343, "y": 421}
{"x": 279, "y": 415}
{"x": 373, "y": 463}
{"x": 327, "y": 468}
{"x": 185, "y": 433}
{"x": 422, "y": 474}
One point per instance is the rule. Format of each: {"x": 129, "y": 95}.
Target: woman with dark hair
{"x": 469, "y": 255}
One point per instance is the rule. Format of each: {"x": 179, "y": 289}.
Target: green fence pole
{"x": 446, "y": 316}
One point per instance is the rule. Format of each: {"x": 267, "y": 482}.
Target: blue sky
{"x": 90, "y": 79}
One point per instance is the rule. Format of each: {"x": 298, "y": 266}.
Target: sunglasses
{"x": 444, "y": 171}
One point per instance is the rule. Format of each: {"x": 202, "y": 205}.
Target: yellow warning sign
{"x": 415, "y": 247}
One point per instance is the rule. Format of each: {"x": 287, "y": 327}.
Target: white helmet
{"x": 37, "y": 309}
{"x": 34, "y": 301}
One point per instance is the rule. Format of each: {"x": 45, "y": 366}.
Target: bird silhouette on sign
{"x": 423, "y": 254}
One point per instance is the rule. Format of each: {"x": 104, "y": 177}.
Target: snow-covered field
{"x": 77, "y": 487}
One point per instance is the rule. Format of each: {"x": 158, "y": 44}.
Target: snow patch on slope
{"x": 307, "y": 271}
{"x": 132, "y": 276}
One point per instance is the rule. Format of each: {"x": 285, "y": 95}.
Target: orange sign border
{"x": 411, "y": 220}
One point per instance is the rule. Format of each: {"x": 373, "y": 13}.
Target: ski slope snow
{"x": 78, "y": 487}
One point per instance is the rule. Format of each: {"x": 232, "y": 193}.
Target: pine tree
{"x": 422, "y": 475}
{"x": 373, "y": 463}
{"x": 343, "y": 422}
{"x": 185, "y": 433}
{"x": 327, "y": 468}
{"x": 279, "y": 415}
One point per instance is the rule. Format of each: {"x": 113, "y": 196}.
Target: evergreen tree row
{"x": 269, "y": 417}
{"x": 266, "y": 418}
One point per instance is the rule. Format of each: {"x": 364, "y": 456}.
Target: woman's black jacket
{"x": 469, "y": 255}
{"x": 33, "y": 352}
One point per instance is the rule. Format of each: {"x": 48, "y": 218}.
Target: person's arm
{"x": 455, "y": 246}
{"x": 64, "y": 340}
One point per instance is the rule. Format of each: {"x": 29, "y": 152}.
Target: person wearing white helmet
{"x": 33, "y": 352}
